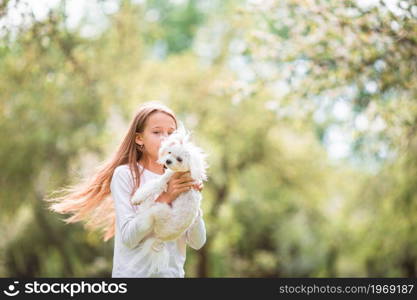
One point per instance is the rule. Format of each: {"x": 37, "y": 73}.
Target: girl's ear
{"x": 138, "y": 138}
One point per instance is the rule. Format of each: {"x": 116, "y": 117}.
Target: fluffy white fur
{"x": 178, "y": 154}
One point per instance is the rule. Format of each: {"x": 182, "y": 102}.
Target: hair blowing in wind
{"x": 90, "y": 201}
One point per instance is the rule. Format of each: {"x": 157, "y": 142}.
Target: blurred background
{"x": 307, "y": 109}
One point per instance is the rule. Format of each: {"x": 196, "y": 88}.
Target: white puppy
{"x": 177, "y": 154}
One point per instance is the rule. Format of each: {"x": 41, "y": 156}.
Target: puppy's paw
{"x": 138, "y": 197}
{"x": 135, "y": 200}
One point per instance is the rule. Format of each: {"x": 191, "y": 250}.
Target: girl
{"x": 134, "y": 163}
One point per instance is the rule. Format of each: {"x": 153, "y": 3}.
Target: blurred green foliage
{"x": 257, "y": 82}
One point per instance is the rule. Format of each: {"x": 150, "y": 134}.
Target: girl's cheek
{"x": 157, "y": 143}
{"x": 155, "y": 140}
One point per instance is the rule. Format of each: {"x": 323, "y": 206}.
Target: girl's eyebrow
{"x": 161, "y": 127}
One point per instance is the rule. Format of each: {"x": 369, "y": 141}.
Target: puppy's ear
{"x": 181, "y": 128}
{"x": 186, "y": 137}
{"x": 162, "y": 152}
{"x": 198, "y": 164}
{"x": 182, "y": 134}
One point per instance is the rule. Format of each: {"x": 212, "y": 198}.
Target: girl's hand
{"x": 198, "y": 186}
{"x": 180, "y": 182}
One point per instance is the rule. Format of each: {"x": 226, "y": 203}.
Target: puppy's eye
{"x": 169, "y": 152}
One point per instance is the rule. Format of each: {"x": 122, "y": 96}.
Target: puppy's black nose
{"x": 168, "y": 162}
{"x": 179, "y": 159}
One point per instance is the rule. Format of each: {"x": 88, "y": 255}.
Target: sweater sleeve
{"x": 132, "y": 226}
{"x": 196, "y": 234}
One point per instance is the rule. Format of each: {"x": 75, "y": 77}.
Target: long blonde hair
{"x": 91, "y": 200}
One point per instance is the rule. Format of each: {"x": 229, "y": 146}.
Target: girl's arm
{"x": 196, "y": 234}
{"x": 132, "y": 226}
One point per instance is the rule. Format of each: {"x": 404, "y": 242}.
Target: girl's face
{"x": 157, "y": 127}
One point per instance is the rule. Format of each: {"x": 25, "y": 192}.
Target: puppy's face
{"x": 174, "y": 155}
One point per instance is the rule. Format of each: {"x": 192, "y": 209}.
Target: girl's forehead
{"x": 160, "y": 120}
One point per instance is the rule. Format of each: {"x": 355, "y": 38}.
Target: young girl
{"x": 133, "y": 164}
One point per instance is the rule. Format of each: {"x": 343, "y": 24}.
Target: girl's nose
{"x": 161, "y": 140}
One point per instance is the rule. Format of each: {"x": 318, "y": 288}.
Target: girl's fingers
{"x": 184, "y": 174}
{"x": 179, "y": 174}
{"x": 184, "y": 185}
{"x": 182, "y": 190}
{"x": 197, "y": 186}
{"x": 181, "y": 181}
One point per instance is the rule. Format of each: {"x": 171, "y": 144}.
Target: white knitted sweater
{"x": 133, "y": 228}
